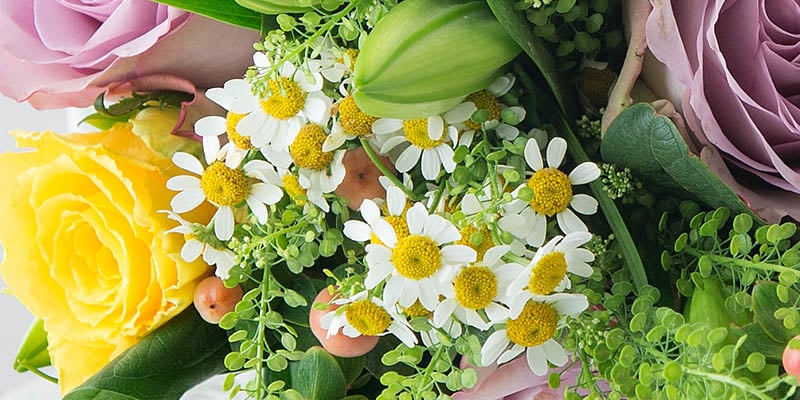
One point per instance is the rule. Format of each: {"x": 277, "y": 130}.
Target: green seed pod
{"x": 425, "y": 56}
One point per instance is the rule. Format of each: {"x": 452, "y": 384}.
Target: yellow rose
{"x": 85, "y": 244}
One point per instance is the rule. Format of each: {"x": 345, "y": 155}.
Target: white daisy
{"x": 430, "y": 139}
{"x": 552, "y": 195}
{"x": 237, "y": 98}
{"x": 320, "y": 171}
{"x": 367, "y": 315}
{"x": 333, "y": 63}
{"x": 547, "y": 271}
{"x": 363, "y": 231}
{"x": 479, "y": 288}
{"x": 223, "y": 259}
{"x": 294, "y": 99}
{"x": 488, "y": 100}
{"x": 533, "y": 332}
{"x": 417, "y": 266}
{"x": 351, "y": 123}
{"x": 224, "y": 187}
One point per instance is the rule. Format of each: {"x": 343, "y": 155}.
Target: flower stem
{"x": 385, "y": 171}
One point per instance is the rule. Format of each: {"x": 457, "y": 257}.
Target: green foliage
{"x": 222, "y": 10}
{"x": 122, "y": 111}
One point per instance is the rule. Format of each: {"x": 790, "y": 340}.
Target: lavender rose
{"x": 61, "y": 53}
{"x": 733, "y": 70}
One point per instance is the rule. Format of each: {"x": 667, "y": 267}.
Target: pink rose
{"x": 733, "y": 70}
{"x": 62, "y": 53}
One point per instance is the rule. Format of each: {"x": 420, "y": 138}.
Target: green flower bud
{"x": 425, "y": 56}
{"x": 33, "y": 353}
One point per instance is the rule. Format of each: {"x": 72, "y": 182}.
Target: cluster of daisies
{"x": 481, "y": 256}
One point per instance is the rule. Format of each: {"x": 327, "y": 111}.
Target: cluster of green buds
{"x": 425, "y": 56}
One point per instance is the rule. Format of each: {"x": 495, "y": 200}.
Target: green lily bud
{"x": 425, "y": 56}
{"x": 33, "y": 353}
{"x": 273, "y": 7}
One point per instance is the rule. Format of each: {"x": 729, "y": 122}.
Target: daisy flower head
{"x": 552, "y": 195}
{"x": 350, "y": 124}
{"x": 548, "y": 270}
{"x": 489, "y": 101}
{"x": 393, "y": 218}
{"x": 237, "y": 99}
{"x": 368, "y": 316}
{"x": 224, "y": 187}
{"x": 193, "y": 248}
{"x": 320, "y": 171}
{"x": 430, "y": 141}
{"x": 334, "y": 63}
{"x": 478, "y": 289}
{"x": 293, "y": 98}
{"x": 417, "y": 266}
{"x": 533, "y": 332}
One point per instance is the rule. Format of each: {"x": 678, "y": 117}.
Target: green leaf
{"x": 318, "y": 376}
{"x": 33, "y": 353}
{"x": 162, "y": 366}
{"x": 351, "y": 367}
{"x": 651, "y": 146}
{"x": 765, "y": 303}
{"x": 221, "y": 10}
{"x": 518, "y": 28}
{"x": 760, "y": 341}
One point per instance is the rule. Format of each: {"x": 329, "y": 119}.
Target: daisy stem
{"x": 261, "y": 340}
{"x": 385, "y": 171}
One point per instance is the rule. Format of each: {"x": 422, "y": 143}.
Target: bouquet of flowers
{"x": 416, "y": 199}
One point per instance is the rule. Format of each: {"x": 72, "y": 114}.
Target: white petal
{"x": 258, "y": 208}
{"x": 510, "y": 354}
{"x": 317, "y": 109}
{"x": 460, "y": 113}
{"x": 428, "y": 294}
{"x": 212, "y": 125}
{"x": 385, "y": 232}
{"x": 569, "y": 222}
{"x": 393, "y": 289}
{"x": 440, "y": 229}
{"x": 369, "y": 211}
{"x": 431, "y": 165}
{"x": 191, "y": 250}
{"x": 443, "y": 312}
{"x": 188, "y": 162}
{"x": 507, "y": 132}
{"x": 538, "y": 231}
{"x": 357, "y": 230}
{"x": 395, "y": 200}
{"x": 183, "y": 182}
{"x": 223, "y": 223}
{"x": 537, "y": 360}
{"x": 532, "y": 155}
{"x": 219, "y": 96}
{"x": 492, "y": 256}
{"x": 570, "y": 303}
{"x": 435, "y": 127}
{"x": 470, "y": 204}
{"x": 392, "y": 142}
{"x": 458, "y": 254}
{"x": 187, "y": 200}
{"x": 573, "y": 240}
{"x": 554, "y": 353}
{"x": 446, "y": 155}
{"x": 386, "y": 125}
{"x": 556, "y": 151}
{"x": 266, "y": 193}
{"x": 408, "y": 158}
{"x": 584, "y": 173}
{"x": 403, "y": 333}
{"x": 496, "y": 312}
{"x": 494, "y": 345}
{"x": 409, "y": 293}
{"x": 415, "y": 217}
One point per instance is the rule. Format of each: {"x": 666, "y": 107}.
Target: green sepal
{"x": 424, "y": 56}
{"x": 33, "y": 353}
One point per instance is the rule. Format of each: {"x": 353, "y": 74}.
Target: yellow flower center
{"x": 475, "y": 287}
{"x": 353, "y": 120}
{"x": 348, "y": 58}
{"x": 417, "y": 310}
{"x": 224, "y": 186}
{"x": 400, "y": 228}
{"x": 287, "y": 99}
{"x": 306, "y": 150}
{"x": 367, "y": 318}
{"x": 484, "y": 101}
{"x": 242, "y": 142}
{"x": 535, "y": 325}
{"x": 548, "y": 273}
{"x": 292, "y": 186}
{"x": 416, "y": 257}
{"x": 552, "y": 191}
{"x": 416, "y": 131}
{"x": 482, "y": 246}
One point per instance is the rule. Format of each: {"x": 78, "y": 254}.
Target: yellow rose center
{"x": 400, "y": 228}
{"x": 416, "y": 131}
{"x": 231, "y": 121}
{"x": 287, "y": 99}
{"x": 292, "y": 186}
{"x": 484, "y": 242}
{"x": 552, "y": 191}
{"x": 367, "y": 318}
{"x": 475, "y": 287}
{"x": 306, "y": 150}
{"x": 548, "y": 273}
{"x": 417, "y": 310}
{"x": 484, "y": 101}
{"x": 416, "y": 257}
{"x": 353, "y": 120}
{"x": 223, "y": 185}
{"x": 535, "y": 325}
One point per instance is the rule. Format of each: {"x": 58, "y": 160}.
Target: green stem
{"x": 385, "y": 171}
{"x": 41, "y": 374}
{"x": 724, "y": 260}
{"x": 728, "y": 381}
{"x": 261, "y": 340}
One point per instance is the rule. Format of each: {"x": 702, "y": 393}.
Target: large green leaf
{"x": 766, "y": 303}
{"x": 227, "y": 11}
{"x": 317, "y": 376}
{"x": 651, "y": 146}
{"x": 165, "y": 364}
{"x": 519, "y": 29}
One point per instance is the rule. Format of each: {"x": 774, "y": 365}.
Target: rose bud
{"x": 213, "y": 299}
{"x": 339, "y": 345}
{"x": 425, "y": 56}
{"x": 361, "y": 178}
